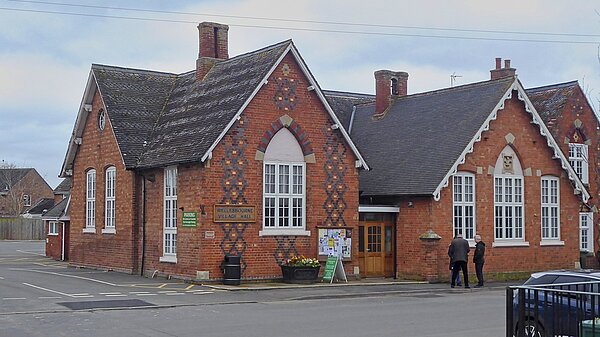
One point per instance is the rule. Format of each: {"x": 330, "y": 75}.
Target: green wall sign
{"x": 189, "y": 219}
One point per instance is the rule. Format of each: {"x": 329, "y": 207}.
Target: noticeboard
{"x": 336, "y": 241}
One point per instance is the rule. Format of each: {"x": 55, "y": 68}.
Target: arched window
{"x": 90, "y": 202}
{"x": 463, "y": 201}
{"x": 284, "y": 180}
{"x": 508, "y": 197}
{"x": 109, "y": 201}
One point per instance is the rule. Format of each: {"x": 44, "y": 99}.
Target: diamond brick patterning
{"x": 286, "y": 248}
{"x": 234, "y": 185}
{"x": 285, "y": 97}
{"x": 335, "y": 171}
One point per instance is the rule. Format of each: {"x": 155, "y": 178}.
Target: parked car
{"x": 556, "y": 302}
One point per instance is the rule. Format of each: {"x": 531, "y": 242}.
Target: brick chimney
{"x": 499, "y": 72}
{"x": 389, "y": 84}
{"x": 213, "y": 47}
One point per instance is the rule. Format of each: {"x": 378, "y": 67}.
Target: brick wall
{"x": 533, "y": 153}
{"x": 54, "y": 242}
{"x": 99, "y": 151}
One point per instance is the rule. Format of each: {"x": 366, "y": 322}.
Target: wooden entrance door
{"x": 375, "y": 249}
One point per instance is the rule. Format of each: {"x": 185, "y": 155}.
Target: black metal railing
{"x": 566, "y": 309}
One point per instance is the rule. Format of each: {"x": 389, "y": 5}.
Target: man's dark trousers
{"x": 460, "y": 265}
{"x": 479, "y": 272}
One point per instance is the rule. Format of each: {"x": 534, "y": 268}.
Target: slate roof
{"x": 57, "y": 211}
{"x": 10, "y": 177}
{"x": 41, "y": 205}
{"x": 342, "y": 104}
{"x": 64, "y": 187}
{"x": 414, "y": 146}
{"x": 549, "y": 101}
{"x": 161, "y": 119}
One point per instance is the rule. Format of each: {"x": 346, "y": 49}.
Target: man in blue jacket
{"x": 459, "y": 253}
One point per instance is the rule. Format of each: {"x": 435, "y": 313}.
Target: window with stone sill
{"x": 550, "y": 208}
{"x": 90, "y": 204}
{"x": 578, "y": 158}
{"x": 109, "y": 200}
{"x": 463, "y": 210}
{"x": 170, "y": 215}
{"x": 509, "y": 217}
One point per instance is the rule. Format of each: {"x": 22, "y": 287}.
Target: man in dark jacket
{"x": 478, "y": 259}
{"x": 459, "y": 253}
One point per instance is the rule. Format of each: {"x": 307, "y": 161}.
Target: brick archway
{"x": 288, "y": 122}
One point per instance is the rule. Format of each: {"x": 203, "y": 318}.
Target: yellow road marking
{"x": 190, "y": 287}
{"x": 162, "y": 285}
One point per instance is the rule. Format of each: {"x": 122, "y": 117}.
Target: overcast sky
{"x": 45, "y": 57}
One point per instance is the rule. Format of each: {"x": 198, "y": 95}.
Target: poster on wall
{"x": 335, "y": 242}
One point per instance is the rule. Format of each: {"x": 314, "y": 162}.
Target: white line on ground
{"x": 113, "y": 293}
{"x": 80, "y": 294}
{"x": 116, "y": 295}
{"x": 14, "y": 298}
{"x": 170, "y": 294}
{"x": 83, "y": 296}
{"x": 139, "y": 292}
{"x": 167, "y": 291}
{"x": 49, "y": 297}
{"x": 201, "y": 292}
{"x": 45, "y": 289}
{"x": 72, "y": 276}
{"x": 1, "y": 278}
{"x": 146, "y": 294}
{"x": 26, "y": 252}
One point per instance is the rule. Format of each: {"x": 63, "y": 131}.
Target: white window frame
{"x": 283, "y": 189}
{"x": 169, "y": 237}
{"x": 509, "y": 229}
{"x": 90, "y": 202}
{"x": 550, "y": 210}
{"x": 586, "y": 231}
{"x": 578, "y": 158}
{"x": 53, "y": 228}
{"x": 110, "y": 200}
{"x": 26, "y": 200}
{"x": 463, "y": 205}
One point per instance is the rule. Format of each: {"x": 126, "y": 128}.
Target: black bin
{"x": 232, "y": 270}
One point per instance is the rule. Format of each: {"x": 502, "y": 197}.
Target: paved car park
{"x": 29, "y": 281}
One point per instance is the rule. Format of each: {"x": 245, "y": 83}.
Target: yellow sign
{"x": 234, "y": 213}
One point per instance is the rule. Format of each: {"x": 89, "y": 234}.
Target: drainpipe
{"x": 143, "y": 224}
{"x": 62, "y": 242}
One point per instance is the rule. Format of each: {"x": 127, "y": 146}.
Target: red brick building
{"x": 250, "y": 135}
{"x": 56, "y": 221}
{"x": 247, "y": 156}
{"x": 20, "y": 189}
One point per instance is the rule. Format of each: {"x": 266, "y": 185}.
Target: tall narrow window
{"x": 508, "y": 199}
{"x": 550, "y": 206}
{"x": 586, "y": 241}
{"x": 170, "y": 216}
{"x": 90, "y": 204}
{"x": 284, "y": 188}
{"x": 464, "y": 205}
{"x": 109, "y": 207}
{"x": 578, "y": 157}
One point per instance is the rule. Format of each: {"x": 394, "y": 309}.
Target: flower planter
{"x": 300, "y": 274}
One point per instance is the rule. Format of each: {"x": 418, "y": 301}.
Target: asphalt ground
{"x": 33, "y": 283}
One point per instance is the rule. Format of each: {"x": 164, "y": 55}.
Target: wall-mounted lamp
{"x": 410, "y": 204}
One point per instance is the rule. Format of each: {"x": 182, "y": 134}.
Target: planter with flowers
{"x": 300, "y": 269}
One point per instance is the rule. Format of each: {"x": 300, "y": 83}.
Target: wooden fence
{"x": 22, "y": 229}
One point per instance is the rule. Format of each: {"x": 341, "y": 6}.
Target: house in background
{"x": 247, "y": 156}
{"x": 20, "y": 189}
{"x": 56, "y": 222}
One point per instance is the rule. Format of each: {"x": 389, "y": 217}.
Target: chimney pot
{"x": 499, "y": 72}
